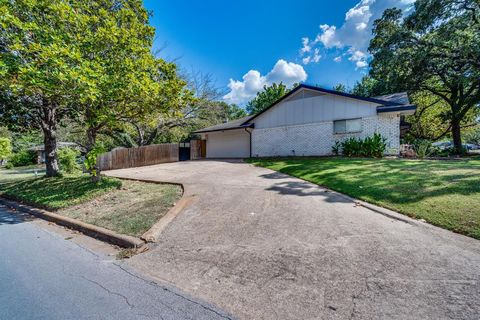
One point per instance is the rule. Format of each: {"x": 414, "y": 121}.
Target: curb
{"x": 86, "y": 228}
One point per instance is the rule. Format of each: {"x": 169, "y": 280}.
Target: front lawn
{"x": 127, "y": 207}
{"x": 53, "y": 193}
{"x": 444, "y": 193}
{"x": 131, "y": 210}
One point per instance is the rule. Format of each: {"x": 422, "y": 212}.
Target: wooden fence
{"x": 137, "y": 157}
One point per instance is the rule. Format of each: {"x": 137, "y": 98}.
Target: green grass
{"x": 53, "y": 193}
{"x": 131, "y": 210}
{"x": 444, "y": 193}
{"x": 127, "y": 207}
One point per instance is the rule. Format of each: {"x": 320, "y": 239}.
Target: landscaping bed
{"x": 444, "y": 193}
{"x": 126, "y": 207}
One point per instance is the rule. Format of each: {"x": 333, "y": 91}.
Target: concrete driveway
{"x": 263, "y": 245}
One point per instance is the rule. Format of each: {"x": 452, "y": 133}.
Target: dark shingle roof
{"x": 234, "y": 124}
{"x": 400, "y": 98}
{"x": 387, "y": 103}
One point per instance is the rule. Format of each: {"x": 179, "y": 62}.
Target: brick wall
{"x": 317, "y": 139}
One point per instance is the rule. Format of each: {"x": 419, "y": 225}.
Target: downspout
{"x": 250, "y": 134}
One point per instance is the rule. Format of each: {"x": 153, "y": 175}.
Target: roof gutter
{"x": 248, "y": 125}
{"x": 405, "y": 108}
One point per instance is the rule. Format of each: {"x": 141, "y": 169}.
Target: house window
{"x": 347, "y": 126}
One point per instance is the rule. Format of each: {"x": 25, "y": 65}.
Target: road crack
{"x": 109, "y": 291}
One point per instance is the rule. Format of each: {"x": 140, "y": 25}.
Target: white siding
{"x": 317, "y": 139}
{"x": 305, "y": 107}
{"x": 228, "y": 144}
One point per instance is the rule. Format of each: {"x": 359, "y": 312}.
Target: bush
{"x": 5, "y": 148}
{"x": 473, "y": 137}
{"x": 67, "y": 159}
{"x": 423, "y": 148}
{"x": 23, "y": 158}
{"x": 91, "y": 161}
{"x": 370, "y": 147}
{"x": 336, "y": 148}
{"x": 448, "y": 152}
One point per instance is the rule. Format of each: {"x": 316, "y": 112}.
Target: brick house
{"x": 307, "y": 122}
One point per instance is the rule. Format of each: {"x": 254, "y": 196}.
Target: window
{"x": 347, "y": 126}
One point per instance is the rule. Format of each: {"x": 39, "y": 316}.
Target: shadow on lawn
{"x": 57, "y": 192}
{"x": 382, "y": 180}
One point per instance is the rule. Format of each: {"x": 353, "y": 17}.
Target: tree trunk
{"x": 457, "y": 137}
{"x": 49, "y": 128}
{"x": 91, "y": 139}
{"x": 91, "y": 142}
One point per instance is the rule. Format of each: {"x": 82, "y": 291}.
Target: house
{"x": 40, "y": 150}
{"x": 307, "y": 122}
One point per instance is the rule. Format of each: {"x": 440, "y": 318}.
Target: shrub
{"x": 448, "y": 152}
{"x": 374, "y": 146}
{"x": 23, "y": 158}
{"x": 352, "y": 147}
{"x": 91, "y": 161}
{"x": 336, "y": 148}
{"x": 423, "y": 148}
{"x": 5, "y": 148}
{"x": 371, "y": 147}
{"x": 473, "y": 137}
{"x": 67, "y": 158}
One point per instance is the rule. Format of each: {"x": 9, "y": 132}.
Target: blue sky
{"x": 246, "y": 44}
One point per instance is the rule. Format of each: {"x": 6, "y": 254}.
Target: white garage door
{"x": 228, "y": 144}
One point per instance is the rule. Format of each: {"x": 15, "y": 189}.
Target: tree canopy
{"x": 87, "y": 62}
{"x": 434, "y": 49}
{"x": 266, "y": 97}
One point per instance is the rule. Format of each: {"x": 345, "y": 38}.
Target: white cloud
{"x": 252, "y": 82}
{"x": 353, "y": 36}
{"x": 328, "y": 36}
{"x": 306, "y": 47}
{"x": 359, "y": 57}
{"x": 316, "y": 55}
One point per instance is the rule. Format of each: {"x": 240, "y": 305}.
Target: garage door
{"x": 228, "y": 144}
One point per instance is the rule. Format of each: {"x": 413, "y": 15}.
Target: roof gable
{"x": 380, "y": 102}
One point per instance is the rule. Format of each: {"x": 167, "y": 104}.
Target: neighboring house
{"x": 307, "y": 122}
{"x": 40, "y": 149}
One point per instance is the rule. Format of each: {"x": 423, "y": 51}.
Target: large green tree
{"x": 434, "y": 49}
{"x": 266, "y": 97}
{"x": 129, "y": 82}
{"x": 40, "y": 67}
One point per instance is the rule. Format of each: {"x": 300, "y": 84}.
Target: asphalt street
{"x": 45, "y": 275}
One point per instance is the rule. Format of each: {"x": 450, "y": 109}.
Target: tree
{"x": 5, "y": 149}
{"x": 129, "y": 83}
{"x": 434, "y": 49}
{"x": 340, "y": 88}
{"x": 199, "y": 110}
{"x": 369, "y": 87}
{"x": 266, "y": 97}
{"x": 40, "y": 68}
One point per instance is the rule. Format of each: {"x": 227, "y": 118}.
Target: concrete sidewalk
{"x": 263, "y": 245}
